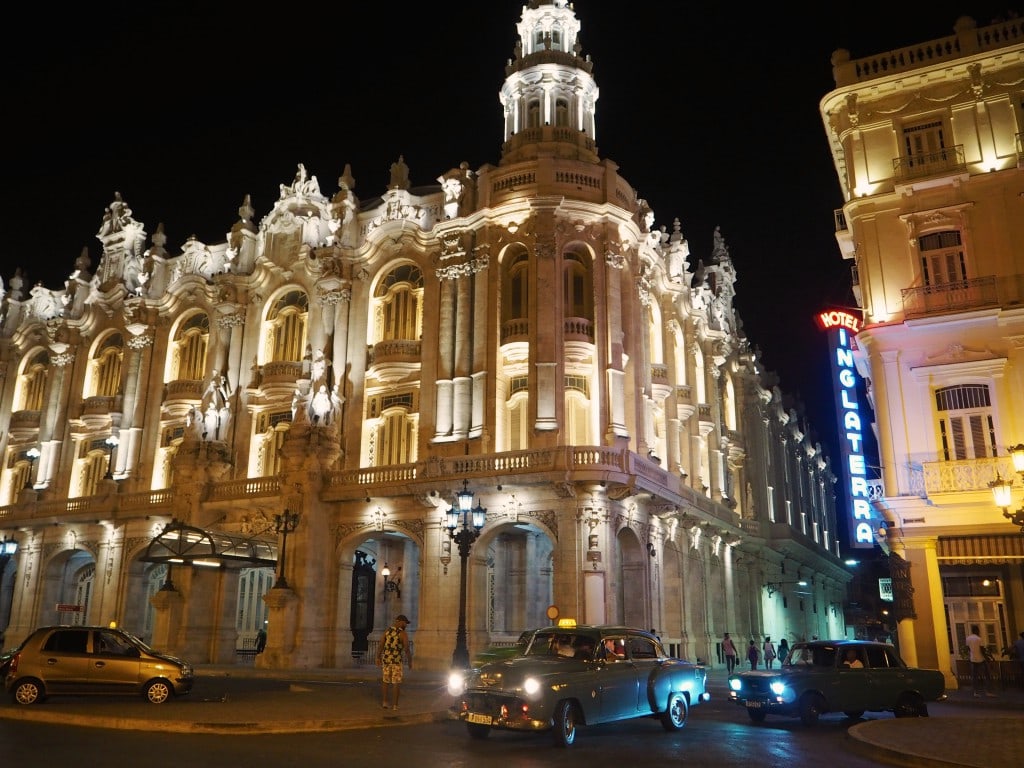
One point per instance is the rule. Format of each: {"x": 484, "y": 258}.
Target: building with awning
{"x": 179, "y": 544}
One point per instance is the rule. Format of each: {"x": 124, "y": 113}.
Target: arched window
{"x": 515, "y": 300}
{"x": 397, "y": 306}
{"x": 562, "y": 112}
{"x": 32, "y": 383}
{"x": 271, "y": 429}
{"x": 106, "y": 367}
{"x": 92, "y": 467}
{"x": 729, "y": 403}
{"x": 577, "y": 292}
{"x": 533, "y": 114}
{"x": 655, "y": 342}
{"x": 188, "y": 349}
{"x": 396, "y": 438}
{"x": 577, "y": 418}
{"x": 518, "y": 420}
{"x": 286, "y": 328}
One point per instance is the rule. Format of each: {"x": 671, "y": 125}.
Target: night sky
{"x": 710, "y": 112}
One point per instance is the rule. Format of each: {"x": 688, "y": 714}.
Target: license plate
{"x": 473, "y": 717}
{"x": 753, "y": 704}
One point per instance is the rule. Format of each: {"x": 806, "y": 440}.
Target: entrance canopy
{"x": 179, "y": 543}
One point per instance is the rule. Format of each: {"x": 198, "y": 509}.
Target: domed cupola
{"x": 549, "y": 95}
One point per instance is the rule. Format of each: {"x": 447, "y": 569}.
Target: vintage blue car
{"x": 570, "y": 676}
{"x": 848, "y": 676}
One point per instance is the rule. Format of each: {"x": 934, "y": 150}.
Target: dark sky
{"x": 710, "y": 112}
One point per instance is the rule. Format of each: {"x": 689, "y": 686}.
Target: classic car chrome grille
{"x": 756, "y": 686}
{"x": 487, "y": 702}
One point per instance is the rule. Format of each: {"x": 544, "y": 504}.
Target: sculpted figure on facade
{"x": 399, "y": 174}
{"x": 115, "y": 217}
{"x": 217, "y": 391}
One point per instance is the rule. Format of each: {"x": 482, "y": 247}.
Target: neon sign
{"x": 841, "y": 326}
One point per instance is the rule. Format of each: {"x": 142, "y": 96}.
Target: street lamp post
{"x": 111, "y": 442}
{"x": 471, "y": 519}
{"x": 284, "y": 524}
{"x": 8, "y": 547}
{"x": 33, "y": 454}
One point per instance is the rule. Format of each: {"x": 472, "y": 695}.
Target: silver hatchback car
{"x": 93, "y": 660}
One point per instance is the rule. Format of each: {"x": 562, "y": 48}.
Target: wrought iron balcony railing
{"x": 958, "y": 296}
{"x": 941, "y": 161}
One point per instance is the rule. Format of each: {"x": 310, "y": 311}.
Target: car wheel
{"x": 674, "y": 717}
{"x": 757, "y": 715}
{"x": 477, "y": 731}
{"x": 910, "y": 705}
{"x": 565, "y": 724}
{"x": 28, "y": 691}
{"x": 811, "y": 707}
{"x": 854, "y": 714}
{"x": 157, "y": 691}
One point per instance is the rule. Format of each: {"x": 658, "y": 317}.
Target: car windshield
{"x": 811, "y": 655}
{"x": 561, "y": 644}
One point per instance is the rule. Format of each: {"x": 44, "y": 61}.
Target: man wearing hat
{"x": 392, "y": 651}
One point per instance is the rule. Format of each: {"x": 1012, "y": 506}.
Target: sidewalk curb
{"x": 224, "y": 728}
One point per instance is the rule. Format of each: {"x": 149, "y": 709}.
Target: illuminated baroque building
{"x": 311, "y": 394}
{"x": 927, "y": 146}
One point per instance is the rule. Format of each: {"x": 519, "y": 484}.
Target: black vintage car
{"x": 848, "y": 676}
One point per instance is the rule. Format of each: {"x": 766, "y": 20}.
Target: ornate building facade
{"x": 243, "y": 434}
{"x": 927, "y": 145}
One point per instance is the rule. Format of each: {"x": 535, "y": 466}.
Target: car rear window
{"x": 67, "y": 641}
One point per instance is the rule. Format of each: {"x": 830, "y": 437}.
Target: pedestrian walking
{"x": 769, "y": 652}
{"x": 783, "y": 650}
{"x": 976, "y": 655}
{"x": 729, "y": 649}
{"x": 393, "y": 651}
{"x": 752, "y": 654}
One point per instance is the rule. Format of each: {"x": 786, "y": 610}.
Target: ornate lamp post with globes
{"x": 464, "y": 524}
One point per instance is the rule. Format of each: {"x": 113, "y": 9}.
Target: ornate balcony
{"x": 391, "y": 361}
{"x": 947, "y": 298}
{"x": 941, "y": 162}
{"x": 965, "y": 475}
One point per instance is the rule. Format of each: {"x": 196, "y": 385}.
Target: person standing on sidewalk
{"x": 393, "y": 651}
{"x": 729, "y": 649}
{"x": 979, "y": 664}
{"x": 769, "y": 652}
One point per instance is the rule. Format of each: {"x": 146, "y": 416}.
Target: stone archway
{"x": 367, "y": 602}
{"x": 68, "y": 589}
{"x": 633, "y": 589}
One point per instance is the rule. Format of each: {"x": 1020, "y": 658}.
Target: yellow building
{"x": 244, "y": 434}
{"x": 926, "y": 142}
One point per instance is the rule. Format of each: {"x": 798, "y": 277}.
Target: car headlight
{"x": 456, "y": 684}
{"x": 531, "y": 685}
{"x": 777, "y": 687}
{"x": 735, "y": 684}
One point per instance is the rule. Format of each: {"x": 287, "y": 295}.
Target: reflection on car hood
{"x": 760, "y": 673}
{"x": 512, "y": 672}
{"x": 168, "y": 658}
